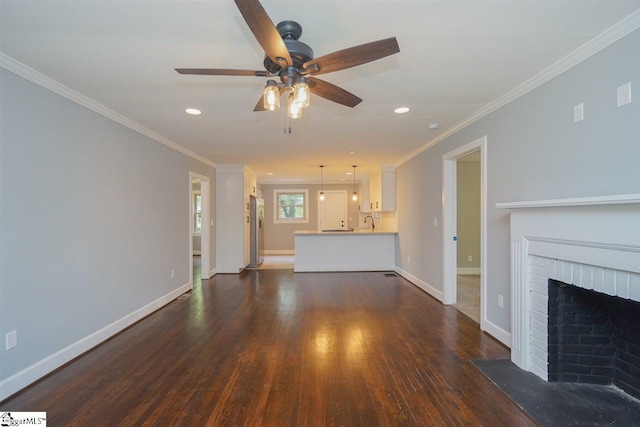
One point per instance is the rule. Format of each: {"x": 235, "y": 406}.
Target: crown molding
{"x": 603, "y": 40}
{"x": 26, "y": 72}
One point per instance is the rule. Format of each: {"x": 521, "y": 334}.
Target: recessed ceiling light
{"x": 269, "y": 173}
{"x": 432, "y": 126}
{"x": 193, "y": 111}
{"x": 349, "y": 173}
{"x": 401, "y": 110}
{"x": 352, "y": 152}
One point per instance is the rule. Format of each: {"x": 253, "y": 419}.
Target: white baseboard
{"x": 421, "y": 284}
{"x": 197, "y": 252}
{"x": 32, "y": 373}
{"x": 280, "y": 252}
{"x": 212, "y": 273}
{"x": 468, "y": 270}
{"x": 497, "y": 332}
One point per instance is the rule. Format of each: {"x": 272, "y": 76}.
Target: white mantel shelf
{"x": 620, "y": 199}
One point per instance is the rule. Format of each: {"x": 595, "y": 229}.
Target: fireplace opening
{"x": 593, "y": 338}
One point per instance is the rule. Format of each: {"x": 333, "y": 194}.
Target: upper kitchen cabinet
{"x": 383, "y": 190}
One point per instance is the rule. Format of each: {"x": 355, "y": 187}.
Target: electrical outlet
{"x": 173, "y": 274}
{"x": 435, "y": 222}
{"x": 500, "y": 301}
{"x": 408, "y": 259}
{"x": 11, "y": 339}
{"x": 470, "y": 258}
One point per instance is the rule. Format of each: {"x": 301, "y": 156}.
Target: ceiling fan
{"x": 292, "y": 61}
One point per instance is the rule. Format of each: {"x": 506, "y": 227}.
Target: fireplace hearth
{"x": 593, "y": 338}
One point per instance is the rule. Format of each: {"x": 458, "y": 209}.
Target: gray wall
{"x": 468, "y": 229}
{"x": 535, "y": 151}
{"x": 280, "y": 236}
{"x": 94, "y": 216}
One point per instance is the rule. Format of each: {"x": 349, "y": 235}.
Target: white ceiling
{"x": 455, "y": 57}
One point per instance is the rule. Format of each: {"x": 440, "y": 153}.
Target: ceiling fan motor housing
{"x": 300, "y": 52}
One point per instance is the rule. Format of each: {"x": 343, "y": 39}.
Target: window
{"x": 290, "y": 206}
{"x": 197, "y": 212}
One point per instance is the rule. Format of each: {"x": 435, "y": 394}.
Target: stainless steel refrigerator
{"x": 257, "y": 231}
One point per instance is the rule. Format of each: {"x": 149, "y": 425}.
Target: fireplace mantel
{"x": 589, "y": 242}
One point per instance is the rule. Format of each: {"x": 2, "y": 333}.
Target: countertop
{"x": 343, "y": 233}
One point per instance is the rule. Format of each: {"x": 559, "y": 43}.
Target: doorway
{"x": 332, "y": 211}
{"x": 450, "y": 223}
{"x": 199, "y": 227}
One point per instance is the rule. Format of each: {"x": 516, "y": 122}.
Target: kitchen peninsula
{"x": 358, "y": 250}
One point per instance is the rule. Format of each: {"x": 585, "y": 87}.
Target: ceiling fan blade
{"x": 260, "y": 105}
{"x": 354, "y": 56}
{"x": 221, "y": 72}
{"x": 264, "y": 31}
{"x": 333, "y": 93}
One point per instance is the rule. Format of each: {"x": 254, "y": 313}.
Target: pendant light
{"x": 321, "y": 189}
{"x": 355, "y": 193}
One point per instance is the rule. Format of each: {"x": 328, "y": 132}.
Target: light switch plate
{"x": 623, "y": 94}
{"x": 11, "y": 339}
{"x": 578, "y": 112}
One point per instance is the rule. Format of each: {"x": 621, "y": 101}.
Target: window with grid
{"x": 290, "y": 206}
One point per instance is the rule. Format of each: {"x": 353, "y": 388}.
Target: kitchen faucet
{"x": 373, "y": 225}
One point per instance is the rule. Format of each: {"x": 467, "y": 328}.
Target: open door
{"x": 449, "y": 223}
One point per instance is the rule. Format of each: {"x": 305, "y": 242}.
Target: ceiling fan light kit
{"x": 271, "y": 96}
{"x": 293, "y": 62}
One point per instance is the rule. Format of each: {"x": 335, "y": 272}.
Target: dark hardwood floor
{"x": 270, "y": 347}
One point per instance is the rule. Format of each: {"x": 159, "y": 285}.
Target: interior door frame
{"x": 205, "y": 232}
{"x": 449, "y": 223}
{"x": 346, "y": 206}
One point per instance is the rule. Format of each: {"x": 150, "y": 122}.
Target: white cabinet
{"x": 234, "y": 185}
{"x": 383, "y": 190}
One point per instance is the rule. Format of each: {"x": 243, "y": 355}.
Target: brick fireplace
{"x": 589, "y": 247}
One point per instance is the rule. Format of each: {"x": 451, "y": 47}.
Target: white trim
{"x": 605, "y": 39}
{"x": 468, "y": 270}
{"x": 497, "y": 332}
{"x": 32, "y": 373}
{"x": 449, "y": 224}
{"x": 20, "y": 69}
{"x": 279, "y": 252}
{"x": 212, "y": 273}
{"x": 420, "y": 284}
{"x": 197, "y": 252}
{"x": 619, "y": 199}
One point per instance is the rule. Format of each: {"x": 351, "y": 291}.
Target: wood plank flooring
{"x": 274, "y": 348}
